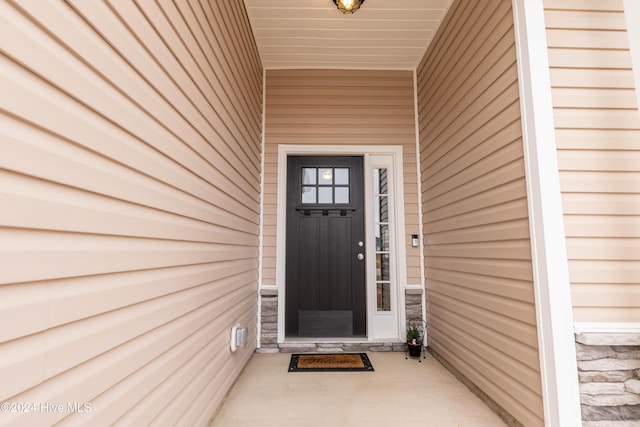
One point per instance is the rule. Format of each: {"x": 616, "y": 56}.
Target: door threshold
{"x": 294, "y": 340}
{"x": 328, "y": 345}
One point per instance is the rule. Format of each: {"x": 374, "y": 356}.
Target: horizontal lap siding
{"x": 598, "y": 137}
{"x": 480, "y": 293}
{"x": 339, "y": 107}
{"x": 129, "y": 191}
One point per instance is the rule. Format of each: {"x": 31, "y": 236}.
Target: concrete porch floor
{"x": 399, "y": 392}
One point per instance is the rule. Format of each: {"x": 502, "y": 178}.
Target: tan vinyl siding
{"x": 129, "y": 207}
{"x": 598, "y": 138}
{"x": 480, "y": 294}
{"x": 339, "y": 107}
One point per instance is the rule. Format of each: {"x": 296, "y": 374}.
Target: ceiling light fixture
{"x": 348, "y": 6}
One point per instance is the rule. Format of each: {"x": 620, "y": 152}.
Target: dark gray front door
{"x": 325, "y": 270}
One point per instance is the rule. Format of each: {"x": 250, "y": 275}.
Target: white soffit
{"x": 312, "y": 34}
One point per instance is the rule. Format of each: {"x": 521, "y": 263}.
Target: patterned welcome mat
{"x": 330, "y": 362}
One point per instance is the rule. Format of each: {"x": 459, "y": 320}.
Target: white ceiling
{"x": 383, "y": 34}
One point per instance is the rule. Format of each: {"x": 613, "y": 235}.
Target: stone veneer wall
{"x": 413, "y": 310}
{"x": 269, "y": 329}
{"x": 269, "y": 321}
{"x": 413, "y": 304}
{"x": 609, "y": 374}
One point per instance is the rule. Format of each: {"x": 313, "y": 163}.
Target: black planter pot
{"x": 414, "y": 349}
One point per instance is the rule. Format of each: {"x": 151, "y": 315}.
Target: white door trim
{"x": 556, "y": 342}
{"x": 395, "y": 152}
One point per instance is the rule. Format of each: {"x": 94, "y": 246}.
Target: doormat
{"x": 330, "y": 362}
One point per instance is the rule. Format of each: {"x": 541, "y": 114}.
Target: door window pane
{"x": 382, "y": 238}
{"x": 325, "y": 176}
{"x": 381, "y": 209}
{"x": 380, "y": 181}
{"x": 309, "y": 176}
{"x": 325, "y": 194}
{"x": 309, "y": 195}
{"x": 383, "y": 296}
{"x": 341, "y": 176}
{"x": 382, "y": 267}
{"x": 342, "y": 195}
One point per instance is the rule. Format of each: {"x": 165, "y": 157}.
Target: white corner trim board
{"x": 632, "y": 15}
{"x": 261, "y": 231}
{"x": 556, "y": 343}
{"x": 423, "y": 279}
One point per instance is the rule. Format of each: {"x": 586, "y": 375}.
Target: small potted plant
{"x": 413, "y": 341}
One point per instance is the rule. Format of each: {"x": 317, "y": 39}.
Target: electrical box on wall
{"x": 238, "y": 337}
{"x": 414, "y": 240}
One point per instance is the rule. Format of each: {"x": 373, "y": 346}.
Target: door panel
{"x": 340, "y": 263}
{"x": 325, "y": 280}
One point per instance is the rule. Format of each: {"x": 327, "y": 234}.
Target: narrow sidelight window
{"x": 383, "y": 252}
